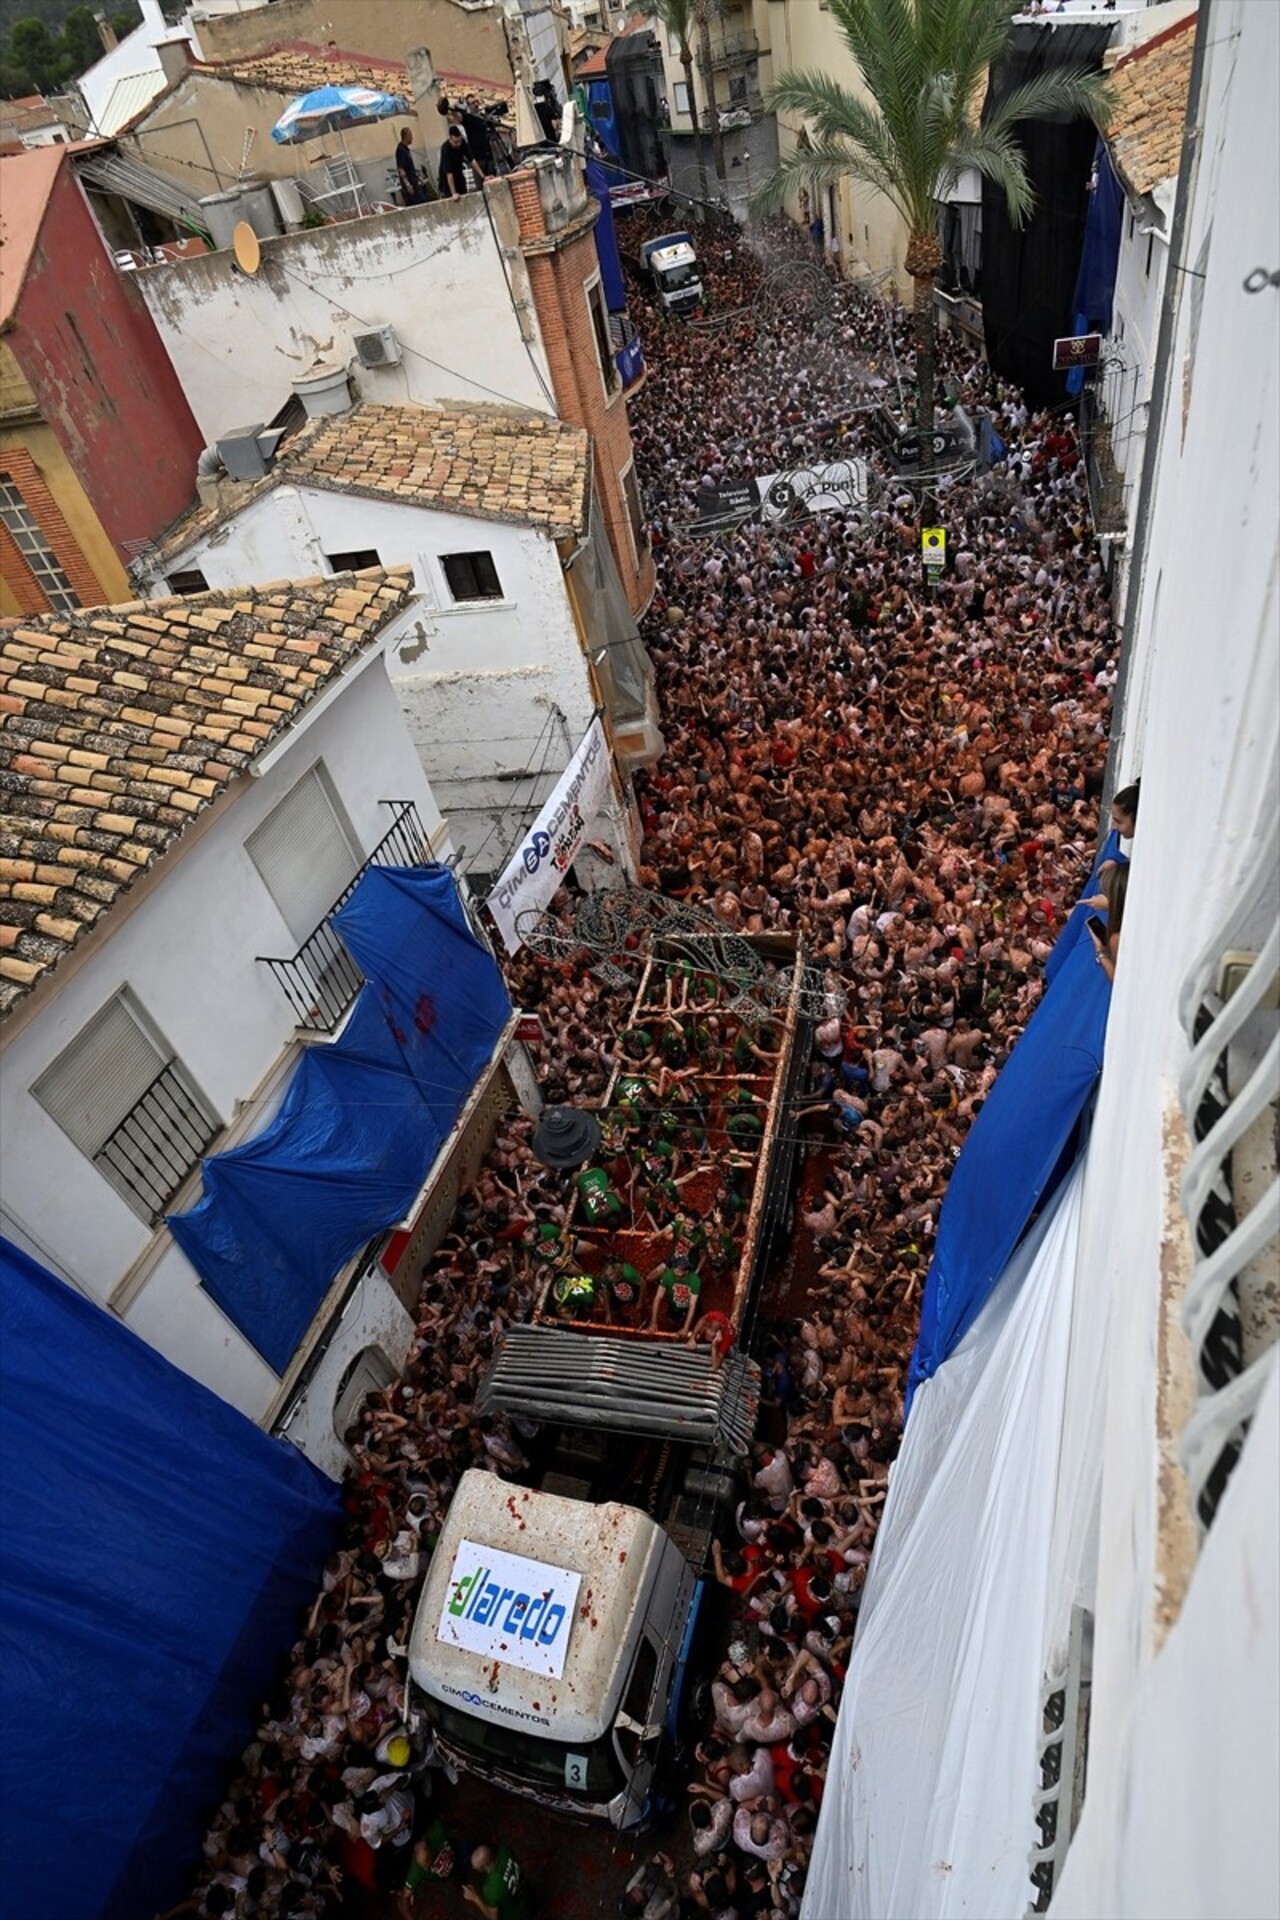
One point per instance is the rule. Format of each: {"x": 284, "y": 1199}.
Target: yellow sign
{"x": 933, "y": 546}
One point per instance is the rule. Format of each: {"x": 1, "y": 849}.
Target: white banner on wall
{"x": 546, "y": 852}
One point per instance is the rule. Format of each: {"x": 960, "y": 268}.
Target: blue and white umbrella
{"x": 333, "y": 110}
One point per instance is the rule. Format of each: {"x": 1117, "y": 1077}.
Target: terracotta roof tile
{"x": 296, "y": 66}
{"x": 492, "y": 462}
{"x": 1150, "y": 85}
{"x": 93, "y": 791}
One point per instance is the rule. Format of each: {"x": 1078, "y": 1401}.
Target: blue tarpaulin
{"x": 1022, "y": 1141}
{"x": 1077, "y": 920}
{"x": 599, "y": 179}
{"x": 363, "y": 1119}
{"x": 160, "y": 1553}
{"x": 1099, "y": 257}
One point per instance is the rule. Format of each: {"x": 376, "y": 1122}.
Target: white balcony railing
{"x": 1229, "y": 1089}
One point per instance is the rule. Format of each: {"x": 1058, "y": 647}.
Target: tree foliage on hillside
{"x": 47, "y": 44}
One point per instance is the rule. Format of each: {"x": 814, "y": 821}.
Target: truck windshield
{"x": 674, "y": 278}
{"x": 591, "y": 1770}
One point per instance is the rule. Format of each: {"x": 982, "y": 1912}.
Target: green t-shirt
{"x": 546, "y": 1242}
{"x": 504, "y": 1887}
{"x": 623, "y": 1281}
{"x": 677, "y": 1286}
{"x": 599, "y": 1200}
{"x": 574, "y": 1293}
{"x": 440, "y": 1866}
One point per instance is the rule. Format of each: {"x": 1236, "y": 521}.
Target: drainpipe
{"x": 1169, "y": 303}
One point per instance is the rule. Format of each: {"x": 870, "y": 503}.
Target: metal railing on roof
{"x": 132, "y": 179}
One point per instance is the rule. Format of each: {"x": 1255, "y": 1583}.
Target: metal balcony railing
{"x": 1230, "y": 1092}
{"x": 1105, "y": 480}
{"x": 158, "y": 1143}
{"x": 321, "y": 979}
{"x": 733, "y": 49}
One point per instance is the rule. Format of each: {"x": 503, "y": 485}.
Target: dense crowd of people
{"x": 905, "y": 773}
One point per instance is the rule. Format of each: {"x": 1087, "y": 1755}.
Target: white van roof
{"x": 614, "y": 1552}
{"x": 680, "y": 254}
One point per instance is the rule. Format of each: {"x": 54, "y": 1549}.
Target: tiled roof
{"x": 26, "y": 182}
{"x": 1150, "y": 85}
{"x": 295, "y": 66}
{"x": 118, "y": 725}
{"x": 480, "y": 460}
{"x": 486, "y": 461}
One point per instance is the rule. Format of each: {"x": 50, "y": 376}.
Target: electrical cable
{"x": 473, "y": 859}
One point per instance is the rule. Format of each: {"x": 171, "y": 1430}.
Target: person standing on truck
{"x": 678, "y": 1292}
{"x": 498, "y": 1889}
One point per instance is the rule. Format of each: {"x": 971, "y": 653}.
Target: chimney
{"x": 106, "y": 32}
{"x": 422, "y": 77}
{"x": 174, "y": 57}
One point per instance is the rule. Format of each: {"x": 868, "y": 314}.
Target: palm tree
{"x": 680, "y": 17}
{"x": 924, "y": 65}
{"x": 703, "y": 10}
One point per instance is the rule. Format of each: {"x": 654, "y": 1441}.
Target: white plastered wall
{"x": 483, "y": 683}
{"x": 453, "y": 286}
{"x": 186, "y": 947}
{"x": 1202, "y": 729}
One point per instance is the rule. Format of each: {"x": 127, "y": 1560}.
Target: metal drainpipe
{"x": 1187, "y": 168}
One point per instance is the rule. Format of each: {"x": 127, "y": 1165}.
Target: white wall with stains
{"x": 448, "y": 279}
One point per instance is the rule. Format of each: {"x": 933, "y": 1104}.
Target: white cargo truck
{"x": 551, "y": 1645}
{"x": 554, "y": 1651}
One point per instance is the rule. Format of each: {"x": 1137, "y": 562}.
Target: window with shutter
{"x": 305, "y": 854}
{"x": 124, "y": 1099}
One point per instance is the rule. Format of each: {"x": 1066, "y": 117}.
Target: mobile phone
{"x": 1098, "y": 928}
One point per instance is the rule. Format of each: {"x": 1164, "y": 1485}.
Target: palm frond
{"x": 810, "y": 169}
{"x": 1072, "y": 90}
{"x": 999, "y": 158}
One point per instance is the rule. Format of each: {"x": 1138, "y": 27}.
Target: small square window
{"x": 635, "y": 511}
{"x": 604, "y": 344}
{"x": 188, "y": 580}
{"x": 122, "y": 1096}
{"x": 354, "y": 561}
{"x": 471, "y": 576}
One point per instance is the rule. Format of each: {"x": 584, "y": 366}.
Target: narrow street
{"x": 902, "y": 771}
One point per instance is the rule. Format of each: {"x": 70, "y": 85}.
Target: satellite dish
{"x": 244, "y": 244}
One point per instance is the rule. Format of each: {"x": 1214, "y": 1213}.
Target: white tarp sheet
{"x": 928, "y": 1808}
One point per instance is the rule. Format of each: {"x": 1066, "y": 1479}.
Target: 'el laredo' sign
{"x": 529, "y": 880}
{"x": 507, "y": 1608}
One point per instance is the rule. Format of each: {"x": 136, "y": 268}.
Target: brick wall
{"x": 558, "y": 278}
{"x": 26, "y": 476}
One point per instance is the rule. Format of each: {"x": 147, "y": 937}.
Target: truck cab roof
{"x": 527, "y": 1612}
{"x": 678, "y": 254}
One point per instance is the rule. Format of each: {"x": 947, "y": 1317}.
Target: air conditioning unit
{"x": 377, "y": 349}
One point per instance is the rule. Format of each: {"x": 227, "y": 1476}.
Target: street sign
{"x": 933, "y": 546}
{"x": 1076, "y": 350}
